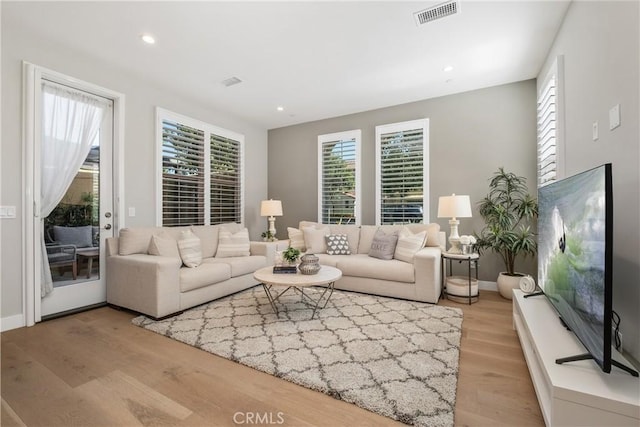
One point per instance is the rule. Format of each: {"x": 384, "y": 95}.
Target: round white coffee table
{"x": 327, "y": 276}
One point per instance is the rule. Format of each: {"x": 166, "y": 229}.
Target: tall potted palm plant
{"x": 508, "y": 211}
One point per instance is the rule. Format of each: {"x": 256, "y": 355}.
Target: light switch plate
{"x": 594, "y": 131}
{"x": 614, "y": 117}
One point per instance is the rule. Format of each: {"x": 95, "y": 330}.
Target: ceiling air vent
{"x": 231, "y": 81}
{"x": 441, "y": 10}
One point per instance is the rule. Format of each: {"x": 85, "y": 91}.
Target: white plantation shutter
{"x": 201, "y": 172}
{"x": 402, "y": 172}
{"x": 182, "y": 174}
{"x": 226, "y": 185}
{"x": 547, "y": 133}
{"x": 550, "y": 121}
{"x": 338, "y": 180}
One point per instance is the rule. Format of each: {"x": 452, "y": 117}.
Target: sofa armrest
{"x": 428, "y": 275}
{"x": 148, "y": 284}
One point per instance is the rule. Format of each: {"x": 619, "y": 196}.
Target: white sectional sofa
{"x": 147, "y": 273}
{"x": 161, "y": 285}
{"x": 415, "y": 278}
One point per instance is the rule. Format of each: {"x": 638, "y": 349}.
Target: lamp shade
{"x": 271, "y": 208}
{"x": 454, "y": 207}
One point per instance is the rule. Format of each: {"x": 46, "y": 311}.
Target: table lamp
{"x": 454, "y": 207}
{"x": 271, "y": 208}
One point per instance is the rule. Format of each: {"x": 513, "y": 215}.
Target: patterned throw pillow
{"x": 233, "y": 244}
{"x": 190, "y": 249}
{"x": 409, "y": 244}
{"x": 383, "y": 245}
{"x": 337, "y": 244}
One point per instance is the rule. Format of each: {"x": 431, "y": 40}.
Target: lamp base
{"x": 454, "y": 238}
{"x": 272, "y": 226}
{"x": 455, "y": 246}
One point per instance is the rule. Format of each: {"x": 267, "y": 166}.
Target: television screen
{"x": 574, "y": 256}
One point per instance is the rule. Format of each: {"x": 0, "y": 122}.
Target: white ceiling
{"x": 316, "y": 59}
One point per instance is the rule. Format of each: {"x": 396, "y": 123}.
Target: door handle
{"x": 107, "y": 227}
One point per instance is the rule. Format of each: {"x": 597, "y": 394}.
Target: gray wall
{"x": 139, "y": 167}
{"x": 471, "y": 135}
{"x": 601, "y": 48}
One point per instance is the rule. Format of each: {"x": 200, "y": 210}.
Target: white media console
{"x": 574, "y": 393}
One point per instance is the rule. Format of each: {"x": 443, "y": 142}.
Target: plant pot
{"x": 507, "y": 283}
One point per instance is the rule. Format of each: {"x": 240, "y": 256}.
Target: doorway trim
{"x": 32, "y": 77}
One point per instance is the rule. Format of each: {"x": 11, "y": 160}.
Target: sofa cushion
{"x": 352, "y": 232}
{"x": 136, "y": 240}
{"x": 383, "y": 245}
{"x": 373, "y": 268}
{"x": 80, "y": 237}
{"x": 190, "y": 249}
{"x": 163, "y": 244}
{"x": 208, "y": 235}
{"x": 366, "y": 238}
{"x": 314, "y": 239}
{"x": 330, "y": 260}
{"x": 206, "y": 274}
{"x": 409, "y": 244}
{"x": 296, "y": 239}
{"x": 233, "y": 244}
{"x": 432, "y": 230}
{"x": 240, "y": 265}
{"x": 337, "y": 244}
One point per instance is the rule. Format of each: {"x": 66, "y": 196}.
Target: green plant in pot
{"x": 508, "y": 211}
{"x": 267, "y": 236}
{"x": 291, "y": 255}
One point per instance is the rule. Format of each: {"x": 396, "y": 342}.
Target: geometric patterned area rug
{"x": 393, "y": 357}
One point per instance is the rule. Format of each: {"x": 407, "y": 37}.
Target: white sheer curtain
{"x": 70, "y": 123}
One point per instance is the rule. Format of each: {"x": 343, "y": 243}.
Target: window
{"x": 549, "y": 156}
{"x": 339, "y": 178}
{"x": 402, "y": 171}
{"x": 201, "y": 172}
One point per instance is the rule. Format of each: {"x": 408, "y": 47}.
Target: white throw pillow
{"x": 163, "y": 244}
{"x": 296, "y": 239}
{"x": 409, "y": 244}
{"x": 190, "y": 249}
{"x": 314, "y": 239}
{"x": 233, "y": 244}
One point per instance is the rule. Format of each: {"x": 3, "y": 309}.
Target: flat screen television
{"x": 575, "y": 244}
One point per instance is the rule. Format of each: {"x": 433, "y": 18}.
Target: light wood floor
{"x": 96, "y": 369}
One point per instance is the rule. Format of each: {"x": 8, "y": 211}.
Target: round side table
{"x": 460, "y": 288}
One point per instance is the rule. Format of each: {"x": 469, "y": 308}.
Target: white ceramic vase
{"x": 506, "y": 284}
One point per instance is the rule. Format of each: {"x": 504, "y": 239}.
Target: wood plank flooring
{"x": 97, "y": 369}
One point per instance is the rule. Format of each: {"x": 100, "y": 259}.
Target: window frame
{"x": 399, "y": 127}
{"x": 556, "y": 71}
{"x": 355, "y": 135}
{"x": 208, "y": 129}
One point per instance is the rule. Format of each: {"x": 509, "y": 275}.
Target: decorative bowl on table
{"x": 309, "y": 264}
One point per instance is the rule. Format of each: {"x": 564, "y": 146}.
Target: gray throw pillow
{"x": 80, "y": 237}
{"x": 383, "y": 245}
{"x": 337, "y": 244}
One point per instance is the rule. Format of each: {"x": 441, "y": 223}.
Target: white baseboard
{"x": 487, "y": 286}
{"x": 12, "y": 322}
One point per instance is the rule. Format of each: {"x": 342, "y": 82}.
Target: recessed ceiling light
{"x": 448, "y": 68}
{"x": 280, "y": 108}
{"x": 148, "y": 38}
